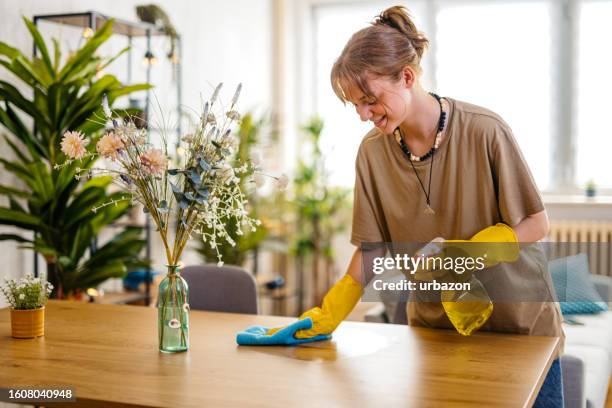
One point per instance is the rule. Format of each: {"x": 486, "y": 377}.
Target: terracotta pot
{"x": 27, "y": 324}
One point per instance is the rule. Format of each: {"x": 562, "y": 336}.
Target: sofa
{"x": 587, "y": 361}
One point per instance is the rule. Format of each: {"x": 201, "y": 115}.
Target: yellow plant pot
{"x": 27, "y": 324}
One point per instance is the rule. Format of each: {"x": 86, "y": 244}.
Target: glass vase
{"x": 173, "y": 312}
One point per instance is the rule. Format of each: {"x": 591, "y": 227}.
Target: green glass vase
{"x": 173, "y": 312}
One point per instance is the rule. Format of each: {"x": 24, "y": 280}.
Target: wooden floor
{"x": 609, "y": 397}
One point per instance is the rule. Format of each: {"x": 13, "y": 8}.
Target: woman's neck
{"x": 421, "y": 124}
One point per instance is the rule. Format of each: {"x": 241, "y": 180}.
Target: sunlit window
{"x": 593, "y": 142}
{"x": 498, "y": 56}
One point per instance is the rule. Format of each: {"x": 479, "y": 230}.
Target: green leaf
{"x": 40, "y": 44}
{"x": 13, "y": 191}
{"x": 9, "y": 51}
{"x": 25, "y": 70}
{"x": 13, "y": 237}
{"x": 56, "y": 54}
{"x": 20, "y": 171}
{"x": 34, "y": 147}
{"x": 84, "y": 55}
{"x": 10, "y": 93}
{"x": 19, "y": 219}
{"x": 125, "y": 90}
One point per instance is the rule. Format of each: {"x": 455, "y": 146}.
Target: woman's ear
{"x": 408, "y": 76}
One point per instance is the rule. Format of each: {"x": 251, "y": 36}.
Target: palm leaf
{"x": 40, "y": 44}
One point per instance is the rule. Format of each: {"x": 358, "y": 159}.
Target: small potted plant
{"x": 591, "y": 188}
{"x": 27, "y": 298}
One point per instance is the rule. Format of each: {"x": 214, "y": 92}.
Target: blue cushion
{"x": 572, "y": 280}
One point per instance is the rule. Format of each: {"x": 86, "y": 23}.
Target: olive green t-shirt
{"x": 479, "y": 178}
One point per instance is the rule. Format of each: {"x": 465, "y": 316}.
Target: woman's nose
{"x": 364, "y": 112}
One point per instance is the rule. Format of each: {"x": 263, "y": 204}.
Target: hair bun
{"x": 398, "y": 18}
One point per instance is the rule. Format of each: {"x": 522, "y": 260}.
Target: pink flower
{"x": 282, "y": 182}
{"x": 109, "y": 146}
{"x": 153, "y": 161}
{"x": 73, "y": 145}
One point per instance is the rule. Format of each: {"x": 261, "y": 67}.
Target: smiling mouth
{"x": 380, "y": 121}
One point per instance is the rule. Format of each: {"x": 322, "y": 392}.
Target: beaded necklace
{"x": 412, "y": 158}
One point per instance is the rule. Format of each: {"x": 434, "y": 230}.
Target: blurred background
{"x": 544, "y": 66}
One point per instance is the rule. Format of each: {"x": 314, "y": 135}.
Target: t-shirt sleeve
{"x": 517, "y": 193}
{"x": 367, "y": 213}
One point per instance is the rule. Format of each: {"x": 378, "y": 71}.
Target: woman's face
{"x": 387, "y": 108}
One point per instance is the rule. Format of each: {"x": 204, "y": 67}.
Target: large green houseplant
{"x": 51, "y": 207}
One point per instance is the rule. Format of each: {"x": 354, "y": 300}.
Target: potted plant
{"x": 27, "y": 298}
{"x": 321, "y": 213}
{"x": 591, "y": 188}
{"x": 50, "y": 207}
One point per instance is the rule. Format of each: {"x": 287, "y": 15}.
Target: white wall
{"x": 229, "y": 41}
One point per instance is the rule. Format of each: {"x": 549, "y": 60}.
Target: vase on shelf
{"x": 173, "y": 312}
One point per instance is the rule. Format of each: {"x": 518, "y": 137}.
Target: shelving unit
{"x": 130, "y": 30}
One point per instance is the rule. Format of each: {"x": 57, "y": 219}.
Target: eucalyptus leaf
{"x": 204, "y": 164}
{"x": 194, "y": 177}
{"x": 175, "y": 188}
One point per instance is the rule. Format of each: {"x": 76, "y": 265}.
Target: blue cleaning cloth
{"x": 256, "y": 335}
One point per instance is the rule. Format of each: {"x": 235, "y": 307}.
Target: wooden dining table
{"x": 108, "y": 354}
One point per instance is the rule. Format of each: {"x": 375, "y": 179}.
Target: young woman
{"x": 433, "y": 167}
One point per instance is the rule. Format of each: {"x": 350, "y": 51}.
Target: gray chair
{"x": 221, "y": 289}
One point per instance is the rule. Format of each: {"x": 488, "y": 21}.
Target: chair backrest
{"x": 221, "y": 289}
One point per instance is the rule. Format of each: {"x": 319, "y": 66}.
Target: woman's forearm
{"x": 532, "y": 228}
{"x": 363, "y": 258}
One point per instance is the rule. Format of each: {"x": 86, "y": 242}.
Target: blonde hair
{"x": 383, "y": 49}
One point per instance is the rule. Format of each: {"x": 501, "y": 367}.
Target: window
{"x": 482, "y": 58}
{"x": 593, "y": 142}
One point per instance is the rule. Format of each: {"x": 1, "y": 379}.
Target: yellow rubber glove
{"x": 503, "y": 246}
{"x": 337, "y": 304}
{"x": 495, "y": 244}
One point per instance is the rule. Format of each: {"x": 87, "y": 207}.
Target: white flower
{"x": 106, "y": 108}
{"x": 282, "y": 182}
{"x": 186, "y": 307}
{"x": 190, "y": 138}
{"x": 233, "y": 115}
{"x": 21, "y": 296}
{"x": 73, "y": 145}
{"x": 174, "y": 324}
{"x": 220, "y": 263}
